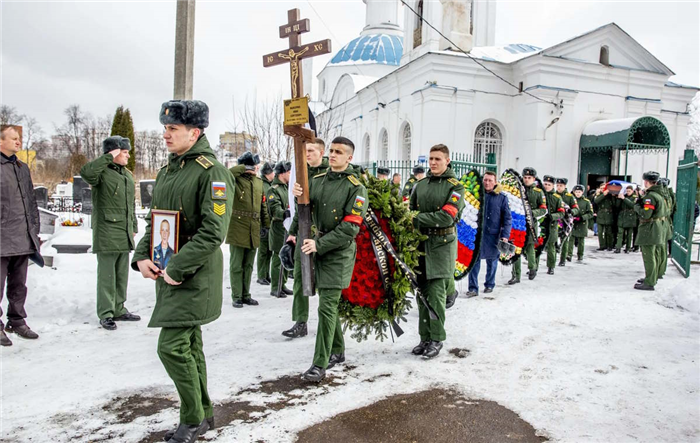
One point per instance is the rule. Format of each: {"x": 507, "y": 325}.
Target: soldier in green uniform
{"x": 189, "y": 290}
{"x": 316, "y": 164}
{"x": 418, "y": 173}
{"x": 652, "y": 211}
{"x": 338, "y": 206}
{"x": 670, "y": 199}
{"x": 555, "y": 211}
{"x": 383, "y": 173}
{"x": 605, "y": 217}
{"x": 627, "y": 220}
{"x": 114, "y": 226}
{"x": 248, "y": 215}
{"x": 267, "y": 174}
{"x": 278, "y": 207}
{"x": 585, "y": 213}
{"x": 535, "y": 198}
{"x": 568, "y": 199}
{"x": 439, "y": 198}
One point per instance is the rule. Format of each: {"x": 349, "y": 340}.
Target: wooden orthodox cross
{"x": 294, "y": 55}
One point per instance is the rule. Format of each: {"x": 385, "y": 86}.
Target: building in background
{"x": 233, "y": 144}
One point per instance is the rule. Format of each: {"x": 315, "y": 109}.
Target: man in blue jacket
{"x": 496, "y": 226}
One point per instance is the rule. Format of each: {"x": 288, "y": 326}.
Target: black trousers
{"x": 14, "y": 271}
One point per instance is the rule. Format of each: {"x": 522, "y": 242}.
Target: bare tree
{"x": 71, "y": 133}
{"x": 329, "y": 123}
{"x": 95, "y": 130}
{"x": 31, "y": 134}
{"x": 265, "y": 122}
{"x": 10, "y": 116}
{"x": 151, "y": 153}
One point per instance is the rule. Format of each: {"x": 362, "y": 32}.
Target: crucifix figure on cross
{"x": 293, "y": 55}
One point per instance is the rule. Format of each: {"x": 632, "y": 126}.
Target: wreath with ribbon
{"x": 520, "y": 212}
{"x": 469, "y": 225}
{"x": 387, "y": 252}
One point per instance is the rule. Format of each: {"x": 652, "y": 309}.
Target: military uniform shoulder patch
{"x": 411, "y": 180}
{"x": 538, "y": 189}
{"x": 568, "y": 194}
{"x": 453, "y": 181}
{"x": 218, "y": 190}
{"x": 586, "y": 199}
{"x": 353, "y": 180}
{"x": 557, "y": 196}
{"x": 219, "y": 209}
{"x": 204, "y": 162}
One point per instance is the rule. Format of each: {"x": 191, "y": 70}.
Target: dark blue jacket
{"x": 496, "y": 222}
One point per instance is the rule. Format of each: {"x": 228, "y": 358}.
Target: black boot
{"x": 127, "y": 317}
{"x": 601, "y": 249}
{"x": 287, "y": 291}
{"x": 610, "y": 248}
{"x": 315, "y": 374}
{"x": 420, "y": 349}
{"x": 568, "y": 258}
{"x": 4, "y": 339}
{"x": 580, "y": 259}
{"x": 250, "y": 302}
{"x": 562, "y": 263}
{"x": 189, "y": 433}
{"x": 108, "y": 324}
{"x": 298, "y": 330}
{"x": 618, "y": 250}
{"x": 262, "y": 281}
{"x": 643, "y": 287}
{"x": 550, "y": 271}
{"x": 450, "y": 300}
{"x": 514, "y": 280}
{"x": 531, "y": 275}
{"x": 237, "y": 303}
{"x": 627, "y": 250}
{"x": 433, "y": 349}
{"x": 635, "y": 249}
{"x": 336, "y": 359}
{"x": 279, "y": 294}
{"x": 210, "y": 425}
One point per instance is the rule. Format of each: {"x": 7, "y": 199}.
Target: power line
{"x": 473, "y": 58}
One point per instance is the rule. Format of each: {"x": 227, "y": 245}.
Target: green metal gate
{"x": 686, "y": 188}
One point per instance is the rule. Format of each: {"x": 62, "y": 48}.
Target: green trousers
{"x": 652, "y": 254}
{"x": 567, "y": 248}
{"x": 264, "y": 257}
{"x": 662, "y": 259}
{"x": 112, "y": 280}
{"x": 329, "y": 336}
{"x": 241, "y": 271}
{"x": 435, "y": 291}
{"x": 551, "y": 248}
{"x": 532, "y": 260}
{"x": 275, "y": 270}
{"x": 606, "y": 237}
{"x": 624, "y": 236}
{"x": 450, "y": 289}
{"x": 182, "y": 353}
{"x": 581, "y": 246}
{"x": 300, "y": 305}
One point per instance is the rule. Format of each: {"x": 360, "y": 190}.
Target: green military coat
{"x": 607, "y": 204}
{"x": 652, "y": 211}
{"x": 312, "y": 172}
{"x": 266, "y": 187}
{"x": 191, "y": 184}
{"x": 555, "y": 206}
{"x": 338, "y": 206}
{"x": 277, "y": 203}
{"x": 247, "y": 210}
{"x": 568, "y": 199}
{"x": 585, "y": 213}
{"x": 113, "y": 205}
{"x": 535, "y": 198}
{"x": 670, "y": 199}
{"x": 439, "y": 200}
{"x": 408, "y": 187}
{"x": 627, "y": 217}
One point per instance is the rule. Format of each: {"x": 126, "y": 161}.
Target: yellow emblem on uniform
{"x": 204, "y": 162}
{"x": 538, "y": 190}
{"x": 219, "y": 209}
{"x": 453, "y": 181}
{"x": 353, "y": 180}
{"x": 355, "y": 212}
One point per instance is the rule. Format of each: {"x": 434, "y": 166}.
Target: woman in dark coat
{"x": 496, "y": 226}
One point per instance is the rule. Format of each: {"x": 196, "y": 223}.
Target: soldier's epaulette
{"x": 557, "y": 196}
{"x": 412, "y": 180}
{"x": 537, "y": 189}
{"x": 204, "y": 162}
{"x": 453, "y": 181}
{"x": 129, "y": 171}
{"x": 275, "y": 186}
{"x": 586, "y": 199}
{"x": 320, "y": 175}
{"x": 353, "y": 180}
{"x": 568, "y": 194}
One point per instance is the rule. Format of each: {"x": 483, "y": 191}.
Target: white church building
{"x": 597, "y": 104}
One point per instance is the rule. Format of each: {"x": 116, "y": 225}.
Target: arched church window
{"x": 604, "y": 55}
{"x": 487, "y": 140}
{"x": 418, "y": 28}
{"x": 384, "y": 145}
{"x": 365, "y": 143}
{"x": 406, "y": 142}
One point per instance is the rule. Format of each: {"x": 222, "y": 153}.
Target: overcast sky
{"x": 101, "y": 54}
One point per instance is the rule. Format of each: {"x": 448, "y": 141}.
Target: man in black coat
{"x": 19, "y": 234}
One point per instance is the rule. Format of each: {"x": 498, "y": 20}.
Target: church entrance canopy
{"x": 637, "y": 135}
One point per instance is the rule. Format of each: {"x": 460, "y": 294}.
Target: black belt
{"x": 649, "y": 220}
{"x": 253, "y": 215}
{"x": 438, "y": 231}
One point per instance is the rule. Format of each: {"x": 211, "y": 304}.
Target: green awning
{"x": 637, "y": 133}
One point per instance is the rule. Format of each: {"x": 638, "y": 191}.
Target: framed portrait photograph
{"x": 165, "y": 227}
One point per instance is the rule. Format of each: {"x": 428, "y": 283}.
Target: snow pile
{"x": 603, "y": 127}
{"x": 685, "y": 295}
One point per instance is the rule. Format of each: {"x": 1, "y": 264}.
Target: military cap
{"x": 562, "y": 181}
{"x": 418, "y": 169}
{"x": 651, "y": 176}
{"x": 529, "y": 171}
{"x": 282, "y": 167}
{"x": 383, "y": 171}
{"x": 125, "y": 144}
{"x": 249, "y": 160}
{"x": 266, "y": 169}
{"x": 548, "y": 178}
{"x": 664, "y": 181}
{"x": 577, "y": 188}
{"x": 287, "y": 256}
{"x": 114, "y": 142}
{"x": 185, "y": 112}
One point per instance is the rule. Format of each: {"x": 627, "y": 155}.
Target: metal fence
{"x": 686, "y": 187}
{"x": 461, "y": 164}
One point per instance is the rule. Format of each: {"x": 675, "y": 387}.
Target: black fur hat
{"x": 664, "y": 182}
{"x": 383, "y": 171}
{"x": 185, "y": 112}
{"x": 529, "y": 171}
{"x": 577, "y": 188}
{"x": 651, "y": 176}
{"x": 287, "y": 256}
{"x": 562, "y": 181}
{"x": 282, "y": 167}
{"x": 266, "y": 169}
{"x": 114, "y": 142}
{"x": 418, "y": 170}
{"x": 548, "y": 178}
{"x": 249, "y": 160}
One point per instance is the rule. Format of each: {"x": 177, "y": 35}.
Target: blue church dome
{"x": 374, "y": 48}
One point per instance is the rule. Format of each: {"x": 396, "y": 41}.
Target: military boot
{"x": 210, "y": 425}
{"x": 514, "y": 280}
{"x": 562, "y": 263}
{"x": 280, "y": 295}
{"x": 188, "y": 433}
{"x": 643, "y": 287}
{"x": 314, "y": 374}
{"x": 336, "y": 359}
{"x": 108, "y": 324}
{"x": 550, "y": 271}
{"x": 298, "y": 330}
{"x": 263, "y": 282}
{"x": 450, "y": 300}
{"x": 433, "y": 349}
{"x": 618, "y": 250}
{"x": 420, "y": 349}
{"x": 250, "y": 302}
{"x": 531, "y": 275}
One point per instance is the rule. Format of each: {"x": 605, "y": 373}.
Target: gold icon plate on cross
{"x": 296, "y": 111}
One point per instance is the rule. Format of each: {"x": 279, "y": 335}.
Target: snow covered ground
{"x": 580, "y": 355}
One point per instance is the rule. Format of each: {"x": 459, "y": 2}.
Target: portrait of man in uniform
{"x": 164, "y": 241}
